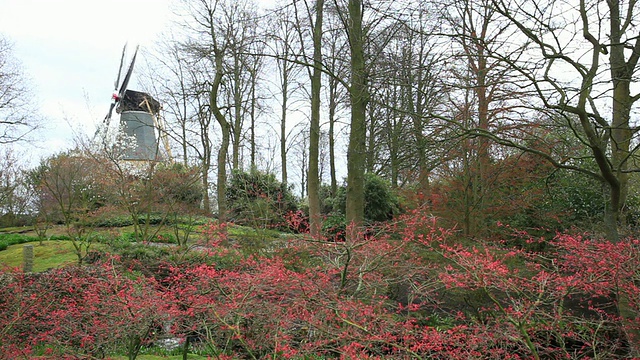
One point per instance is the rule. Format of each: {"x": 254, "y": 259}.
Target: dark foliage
{"x": 259, "y": 199}
{"x": 381, "y": 203}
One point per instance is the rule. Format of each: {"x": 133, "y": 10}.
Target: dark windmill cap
{"x": 138, "y": 101}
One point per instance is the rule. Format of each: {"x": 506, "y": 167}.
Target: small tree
{"x": 179, "y": 193}
{"x": 69, "y": 190}
{"x": 40, "y": 203}
{"x": 14, "y": 199}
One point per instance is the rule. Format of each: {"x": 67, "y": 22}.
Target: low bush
{"x": 258, "y": 199}
{"x": 381, "y": 203}
{"x": 164, "y": 238}
{"x": 113, "y": 221}
{"x": 7, "y": 240}
{"x": 334, "y": 227}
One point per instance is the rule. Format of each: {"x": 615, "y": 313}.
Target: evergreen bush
{"x": 258, "y": 199}
{"x": 381, "y": 203}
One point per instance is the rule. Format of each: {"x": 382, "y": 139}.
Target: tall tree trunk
{"x": 283, "y": 120}
{"x": 237, "y": 118}
{"x": 185, "y": 160}
{"x": 253, "y": 118}
{"x": 183, "y": 122}
{"x": 477, "y": 58}
{"x": 222, "y": 171}
{"x": 415, "y": 101}
{"x": 304, "y": 172}
{"x": 622, "y": 72}
{"x": 356, "y": 153}
{"x": 204, "y": 120}
{"x": 473, "y": 38}
{"x": 224, "y": 145}
{"x": 333, "y": 104}
{"x": 313, "y": 179}
{"x": 206, "y": 166}
{"x": 206, "y": 201}
{"x": 371, "y": 142}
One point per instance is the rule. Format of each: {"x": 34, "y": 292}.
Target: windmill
{"x": 139, "y": 117}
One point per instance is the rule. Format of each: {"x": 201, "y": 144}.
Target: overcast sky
{"x": 70, "y": 51}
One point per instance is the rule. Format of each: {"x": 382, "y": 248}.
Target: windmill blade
{"x": 124, "y": 50}
{"x": 108, "y": 117}
{"x": 127, "y": 77}
{"x": 115, "y": 86}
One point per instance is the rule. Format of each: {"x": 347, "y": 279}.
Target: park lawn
{"x": 51, "y": 254}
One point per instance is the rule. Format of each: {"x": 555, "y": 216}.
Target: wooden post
{"x": 27, "y": 256}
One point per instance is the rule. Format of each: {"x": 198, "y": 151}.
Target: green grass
{"x": 57, "y": 253}
{"x": 51, "y": 254}
{"x": 17, "y": 229}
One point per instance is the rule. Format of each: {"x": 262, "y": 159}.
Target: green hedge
{"x": 154, "y": 219}
{"x": 7, "y": 240}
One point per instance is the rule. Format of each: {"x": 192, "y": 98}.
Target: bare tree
{"x": 313, "y": 179}
{"x": 239, "y": 22}
{"x": 168, "y": 79}
{"x": 286, "y": 48}
{"x": 313, "y": 15}
{"x": 482, "y": 95}
{"x": 210, "y": 43}
{"x": 255, "y": 105}
{"x": 17, "y": 115}
{"x": 179, "y": 81}
{"x": 14, "y": 189}
{"x": 300, "y": 148}
{"x": 336, "y": 94}
{"x": 581, "y": 63}
{"x": 70, "y": 182}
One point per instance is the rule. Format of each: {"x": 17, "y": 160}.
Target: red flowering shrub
{"x": 78, "y": 311}
{"x": 561, "y": 307}
{"x": 403, "y": 290}
{"x": 297, "y": 221}
{"x": 215, "y": 234}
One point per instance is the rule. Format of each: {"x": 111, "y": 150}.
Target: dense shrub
{"x": 258, "y": 199}
{"x": 77, "y": 312}
{"x": 11, "y": 220}
{"x": 334, "y": 227}
{"x": 580, "y": 200}
{"x": 380, "y": 201}
{"x": 512, "y": 190}
{"x": 178, "y": 186}
{"x": 297, "y": 221}
{"x": 111, "y": 216}
{"x": 567, "y": 199}
{"x": 327, "y": 200}
{"x": 12, "y": 239}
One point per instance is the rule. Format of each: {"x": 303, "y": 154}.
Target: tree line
{"x": 423, "y": 94}
{"x": 421, "y": 89}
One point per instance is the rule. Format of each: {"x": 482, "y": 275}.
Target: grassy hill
{"x": 47, "y": 255}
